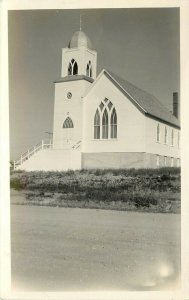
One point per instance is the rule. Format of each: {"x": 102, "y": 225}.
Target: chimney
{"x": 175, "y": 104}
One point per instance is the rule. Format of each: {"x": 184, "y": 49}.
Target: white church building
{"x": 103, "y": 121}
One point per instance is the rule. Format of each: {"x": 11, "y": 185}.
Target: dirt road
{"x": 85, "y": 249}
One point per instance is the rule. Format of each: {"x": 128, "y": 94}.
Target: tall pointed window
{"x": 73, "y": 68}
{"x": 113, "y": 124}
{"x": 105, "y": 124}
{"x": 105, "y": 121}
{"x": 158, "y": 133}
{"x": 97, "y": 125}
{"x": 68, "y": 123}
{"x": 89, "y": 69}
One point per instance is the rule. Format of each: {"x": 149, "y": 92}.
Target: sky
{"x": 140, "y": 45}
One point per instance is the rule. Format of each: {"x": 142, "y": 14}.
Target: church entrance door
{"x": 68, "y": 136}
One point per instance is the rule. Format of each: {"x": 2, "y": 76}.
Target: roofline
{"x": 162, "y": 120}
{"x": 126, "y": 92}
{"x": 76, "y": 48}
{"x": 131, "y": 98}
{"x": 117, "y": 83}
{"x": 94, "y": 82}
{"x": 74, "y": 78}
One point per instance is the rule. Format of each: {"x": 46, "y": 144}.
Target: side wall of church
{"x": 171, "y": 147}
{"x": 121, "y": 160}
{"x": 65, "y": 107}
{"x": 136, "y": 144}
{"x": 130, "y": 121}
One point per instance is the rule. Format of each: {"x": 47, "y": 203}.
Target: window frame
{"x": 165, "y": 135}
{"x": 172, "y": 137}
{"x": 158, "y": 133}
{"x": 89, "y": 69}
{"x": 68, "y": 121}
{"x": 106, "y": 107}
{"x": 105, "y": 126}
{"x": 71, "y": 66}
{"x": 97, "y": 128}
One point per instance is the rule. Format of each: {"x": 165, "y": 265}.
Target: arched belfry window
{"x": 97, "y": 125}
{"x": 68, "y": 123}
{"x": 113, "y": 124}
{"x": 105, "y": 121}
{"x": 73, "y": 68}
{"x": 89, "y": 69}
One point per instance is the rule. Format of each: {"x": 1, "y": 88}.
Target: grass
{"x": 136, "y": 188}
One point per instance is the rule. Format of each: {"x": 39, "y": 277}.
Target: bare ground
{"x": 83, "y": 249}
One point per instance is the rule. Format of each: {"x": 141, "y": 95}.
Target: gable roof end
{"x": 145, "y": 101}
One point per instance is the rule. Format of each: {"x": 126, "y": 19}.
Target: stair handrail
{"x": 27, "y": 154}
{"x": 76, "y": 145}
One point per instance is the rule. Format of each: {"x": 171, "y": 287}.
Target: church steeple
{"x": 79, "y": 58}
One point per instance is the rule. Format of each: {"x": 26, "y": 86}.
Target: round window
{"x": 69, "y": 95}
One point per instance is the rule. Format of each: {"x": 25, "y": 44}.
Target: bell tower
{"x": 79, "y": 58}
{"x": 77, "y": 74}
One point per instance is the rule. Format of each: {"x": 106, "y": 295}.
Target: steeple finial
{"x": 80, "y": 23}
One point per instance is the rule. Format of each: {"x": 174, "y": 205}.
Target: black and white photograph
{"x": 95, "y": 149}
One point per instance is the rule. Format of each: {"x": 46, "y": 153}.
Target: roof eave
{"x": 74, "y": 78}
{"x": 125, "y": 92}
{"x": 162, "y": 120}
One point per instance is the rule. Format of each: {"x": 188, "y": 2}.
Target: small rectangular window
{"x": 165, "y": 160}
{"x": 165, "y": 140}
{"x": 158, "y": 133}
{"x": 172, "y": 137}
{"x": 178, "y": 162}
{"x": 172, "y": 162}
{"x": 157, "y": 160}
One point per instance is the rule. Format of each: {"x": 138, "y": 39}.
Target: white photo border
{"x": 5, "y": 238}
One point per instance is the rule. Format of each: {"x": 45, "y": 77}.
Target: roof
{"x": 148, "y": 103}
{"x": 80, "y": 39}
{"x": 73, "y": 78}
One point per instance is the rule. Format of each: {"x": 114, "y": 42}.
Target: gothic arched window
{"x": 105, "y": 124}
{"x": 89, "y": 69}
{"x": 97, "y": 125}
{"x": 73, "y": 68}
{"x": 105, "y": 121}
{"x": 68, "y": 123}
{"x": 113, "y": 124}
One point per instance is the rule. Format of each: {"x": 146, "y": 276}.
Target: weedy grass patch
{"x": 141, "y": 188}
